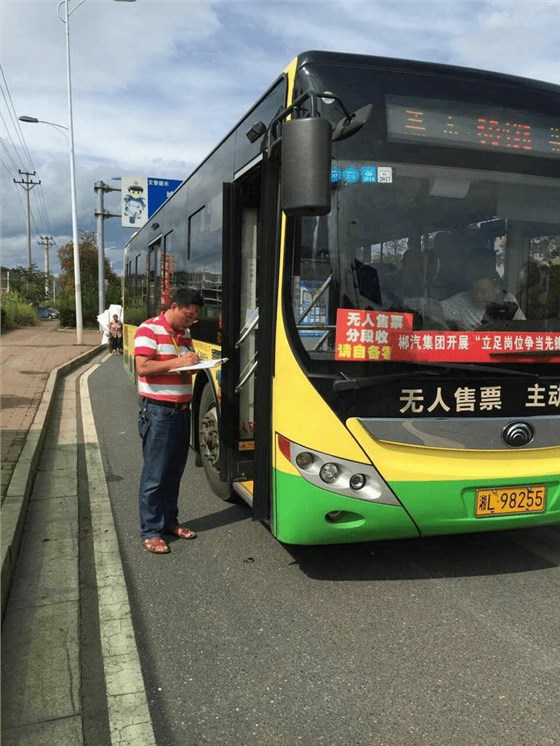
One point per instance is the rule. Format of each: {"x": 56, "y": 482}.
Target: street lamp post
{"x": 65, "y": 18}
{"x": 57, "y": 127}
{"x": 76, "y": 246}
{"x": 75, "y": 240}
{"x": 77, "y": 282}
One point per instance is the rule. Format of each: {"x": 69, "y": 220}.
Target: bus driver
{"x": 484, "y": 301}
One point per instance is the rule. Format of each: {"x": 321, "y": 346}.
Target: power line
{"x": 14, "y": 152}
{"x": 15, "y": 121}
{"x": 7, "y": 150}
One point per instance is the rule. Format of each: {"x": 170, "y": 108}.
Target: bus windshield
{"x": 427, "y": 248}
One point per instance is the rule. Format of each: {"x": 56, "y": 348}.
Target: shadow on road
{"x": 230, "y": 514}
{"x": 445, "y": 556}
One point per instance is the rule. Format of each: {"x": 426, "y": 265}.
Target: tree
{"x": 88, "y": 264}
{"x": 547, "y": 248}
{"x": 31, "y": 284}
{"x": 89, "y": 272}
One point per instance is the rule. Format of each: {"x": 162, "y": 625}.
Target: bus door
{"x": 245, "y": 393}
{"x": 239, "y": 325}
{"x": 153, "y": 272}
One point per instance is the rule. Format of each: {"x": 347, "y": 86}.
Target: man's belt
{"x": 181, "y": 406}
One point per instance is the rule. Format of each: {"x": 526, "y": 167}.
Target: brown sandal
{"x": 156, "y": 545}
{"x": 182, "y": 532}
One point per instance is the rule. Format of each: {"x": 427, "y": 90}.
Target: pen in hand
{"x": 188, "y": 358}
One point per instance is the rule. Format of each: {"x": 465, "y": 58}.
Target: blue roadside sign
{"x": 142, "y": 196}
{"x": 158, "y": 191}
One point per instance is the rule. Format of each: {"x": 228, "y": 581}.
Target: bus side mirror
{"x": 306, "y": 167}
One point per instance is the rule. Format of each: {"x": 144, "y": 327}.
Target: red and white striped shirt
{"x": 155, "y": 339}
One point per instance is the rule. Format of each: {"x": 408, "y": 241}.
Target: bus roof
{"x": 383, "y": 64}
{"x": 419, "y": 66}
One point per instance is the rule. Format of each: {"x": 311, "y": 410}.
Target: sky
{"x": 157, "y": 84}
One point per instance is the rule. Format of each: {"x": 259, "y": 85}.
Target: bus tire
{"x": 209, "y": 444}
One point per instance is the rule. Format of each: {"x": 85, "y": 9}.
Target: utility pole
{"x": 28, "y": 185}
{"x": 47, "y": 242}
{"x": 100, "y": 188}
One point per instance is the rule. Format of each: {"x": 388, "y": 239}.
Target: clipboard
{"x": 202, "y": 365}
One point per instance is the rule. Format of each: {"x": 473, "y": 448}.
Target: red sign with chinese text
{"x": 379, "y": 335}
{"x": 368, "y": 335}
{"x": 167, "y": 271}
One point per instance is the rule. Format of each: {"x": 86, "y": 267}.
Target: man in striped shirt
{"x": 161, "y": 345}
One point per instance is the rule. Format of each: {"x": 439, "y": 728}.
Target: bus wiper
{"x": 428, "y": 369}
{"x": 345, "y": 384}
{"x": 527, "y": 353}
{"x": 482, "y": 368}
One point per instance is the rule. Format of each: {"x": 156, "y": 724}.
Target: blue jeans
{"x": 165, "y": 437}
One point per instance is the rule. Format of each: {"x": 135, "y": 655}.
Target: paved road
{"x": 246, "y": 641}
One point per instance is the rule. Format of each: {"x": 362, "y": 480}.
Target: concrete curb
{"x": 16, "y": 502}
{"x": 130, "y": 721}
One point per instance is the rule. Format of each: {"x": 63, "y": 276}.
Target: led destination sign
{"x": 463, "y": 125}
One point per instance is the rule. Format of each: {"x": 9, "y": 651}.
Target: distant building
{"x": 5, "y": 279}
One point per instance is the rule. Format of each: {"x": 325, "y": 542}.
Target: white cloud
{"x": 515, "y": 37}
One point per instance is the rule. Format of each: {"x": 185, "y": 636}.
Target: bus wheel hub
{"x": 209, "y": 441}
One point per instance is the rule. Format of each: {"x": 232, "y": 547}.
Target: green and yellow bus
{"x": 378, "y": 245}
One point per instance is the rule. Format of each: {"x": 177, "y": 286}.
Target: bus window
{"x": 376, "y": 261}
{"x": 153, "y": 272}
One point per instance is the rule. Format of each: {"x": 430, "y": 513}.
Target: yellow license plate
{"x": 492, "y": 501}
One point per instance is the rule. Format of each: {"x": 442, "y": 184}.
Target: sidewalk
{"x": 30, "y": 362}
{"x": 71, "y": 672}
{"x": 27, "y": 357}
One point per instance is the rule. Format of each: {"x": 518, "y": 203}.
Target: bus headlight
{"x": 343, "y": 477}
{"x": 357, "y": 481}
{"x": 329, "y": 473}
{"x": 304, "y": 459}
